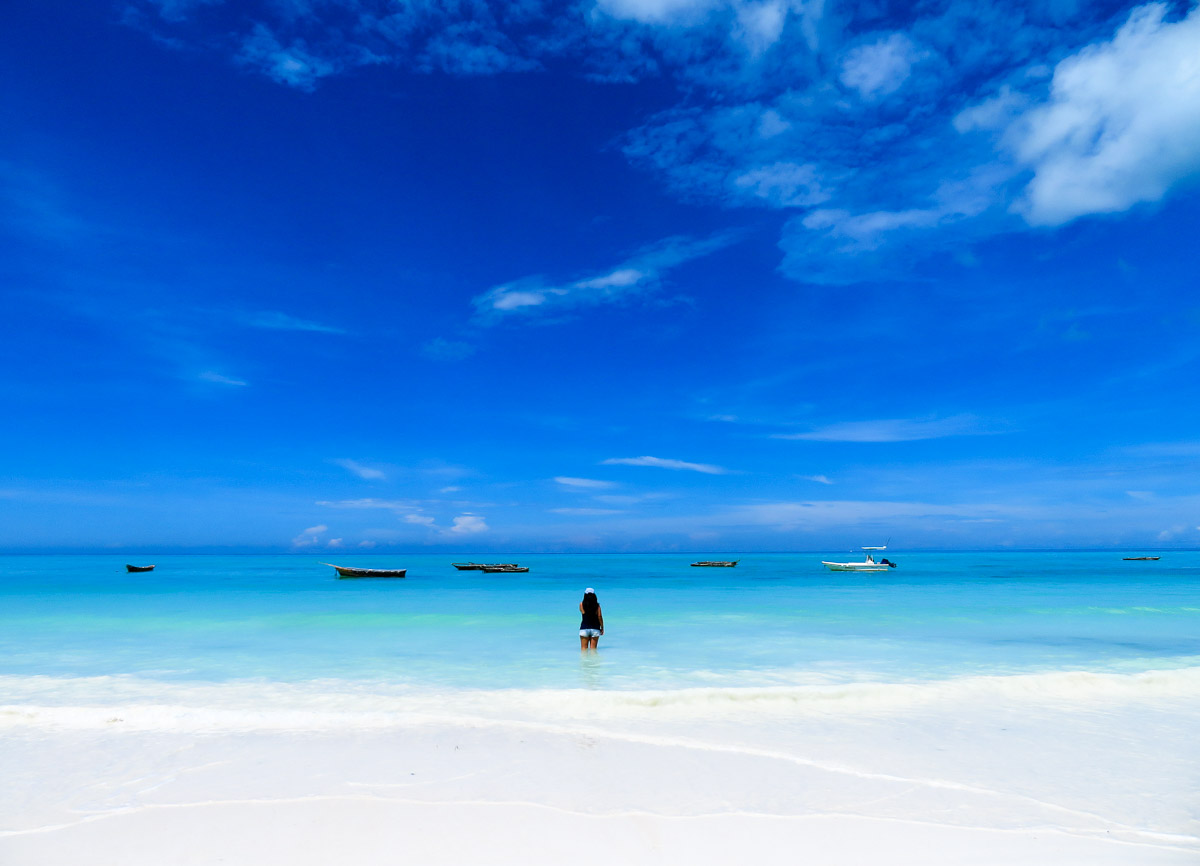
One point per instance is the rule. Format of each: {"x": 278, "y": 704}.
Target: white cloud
{"x": 640, "y": 273}
{"x": 665, "y": 463}
{"x": 221, "y": 379}
{"x": 367, "y": 473}
{"x": 311, "y": 536}
{"x": 588, "y": 483}
{"x": 1121, "y": 125}
{"x": 880, "y": 67}
{"x": 468, "y": 524}
{"x": 335, "y": 542}
{"x": 892, "y": 430}
{"x": 820, "y": 479}
{"x": 419, "y": 519}
{"x": 366, "y": 544}
{"x": 451, "y": 489}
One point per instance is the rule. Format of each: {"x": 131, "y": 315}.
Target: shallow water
{"x": 774, "y": 620}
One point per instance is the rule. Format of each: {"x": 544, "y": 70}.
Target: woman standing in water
{"x": 592, "y": 624}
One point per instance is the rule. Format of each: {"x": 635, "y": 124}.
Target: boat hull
{"x": 371, "y": 572}
{"x": 715, "y": 564}
{"x": 505, "y": 569}
{"x": 348, "y": 571}
{"x": 133, "y": 568}
{"x": 855, "y": 566}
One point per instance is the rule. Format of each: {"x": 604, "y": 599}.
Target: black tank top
{"x": 591, "y": 618}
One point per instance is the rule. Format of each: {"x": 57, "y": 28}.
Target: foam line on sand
{"x": 368, "y": 831}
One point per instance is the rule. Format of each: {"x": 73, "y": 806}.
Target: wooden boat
{"x": 468, "y": 566}
{"x": 1127, "y": 559}
{"x": 139, "y": 568}
{"x": 511, "y": 568}
{"x": 347, "y": 571}
{"x": 715, "y": 563}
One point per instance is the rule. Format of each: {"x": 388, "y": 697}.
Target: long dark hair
{"x": 590, "y": 603}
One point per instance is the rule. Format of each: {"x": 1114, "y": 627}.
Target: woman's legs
{"x": 583, "y": 643}
{"x": 593, "y": 642}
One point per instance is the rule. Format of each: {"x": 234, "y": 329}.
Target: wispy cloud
{"x": 311, "y": 536}
{"x": 275, "y": 321}
{"x": 629, "y": 498}
{"x": 881, "y": 66}
{"x": 641, "y": 273}
{"x": 585, "y": 512}
{"x": 293, "y": 64}
{"x": 441, "y": 349}
{"x": 367, "y": 473}
{"x": 221, "y": 379}
{"x": 892, "y": 430}
{"x": 666, "y": 463}
{"x": 369, "y": 503}
{"x": 584, "y": 483}
{"x": 819, "y": 479}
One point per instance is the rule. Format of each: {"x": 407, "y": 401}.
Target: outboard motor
{"x": 886, "y": 562}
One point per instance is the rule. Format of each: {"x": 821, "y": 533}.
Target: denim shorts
{"x": 589, "y": 632}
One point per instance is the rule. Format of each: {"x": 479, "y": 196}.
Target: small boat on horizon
{"x": 349, "y": 571}
{"x": 139, "y": 567}
{"x": 868, "y": 563}
{"x": 715, "y": 563}
{"x": 482, "y": 566}
{"x": 1140, "y": 558}
{"x": 509, "y": 568}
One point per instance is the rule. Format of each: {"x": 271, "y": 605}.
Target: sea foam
{"x": 135, "y": 703}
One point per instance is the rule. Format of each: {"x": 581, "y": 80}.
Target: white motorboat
{"x": 868, "y": 563}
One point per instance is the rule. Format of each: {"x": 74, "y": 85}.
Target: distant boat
{"x": 1127, "y": 559}
{"x": 715, "y": 563}
{"x": 346, "y": 571}
{"x": 509, "y": 568}
{"x": 468, "y": 566}
{"x": 151, "y": 567}
{"x": 868, "y": 563}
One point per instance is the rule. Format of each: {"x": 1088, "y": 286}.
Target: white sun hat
{"x": 589, "y": 590}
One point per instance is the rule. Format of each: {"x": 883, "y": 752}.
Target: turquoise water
{"x": 774, "y": 620}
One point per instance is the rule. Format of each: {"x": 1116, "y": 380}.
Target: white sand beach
{"x": 991, "y": 771}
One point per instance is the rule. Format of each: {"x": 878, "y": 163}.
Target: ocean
{"x": 774, "y": 620}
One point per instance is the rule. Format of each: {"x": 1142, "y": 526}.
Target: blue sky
{"x": 374, "y": 276}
